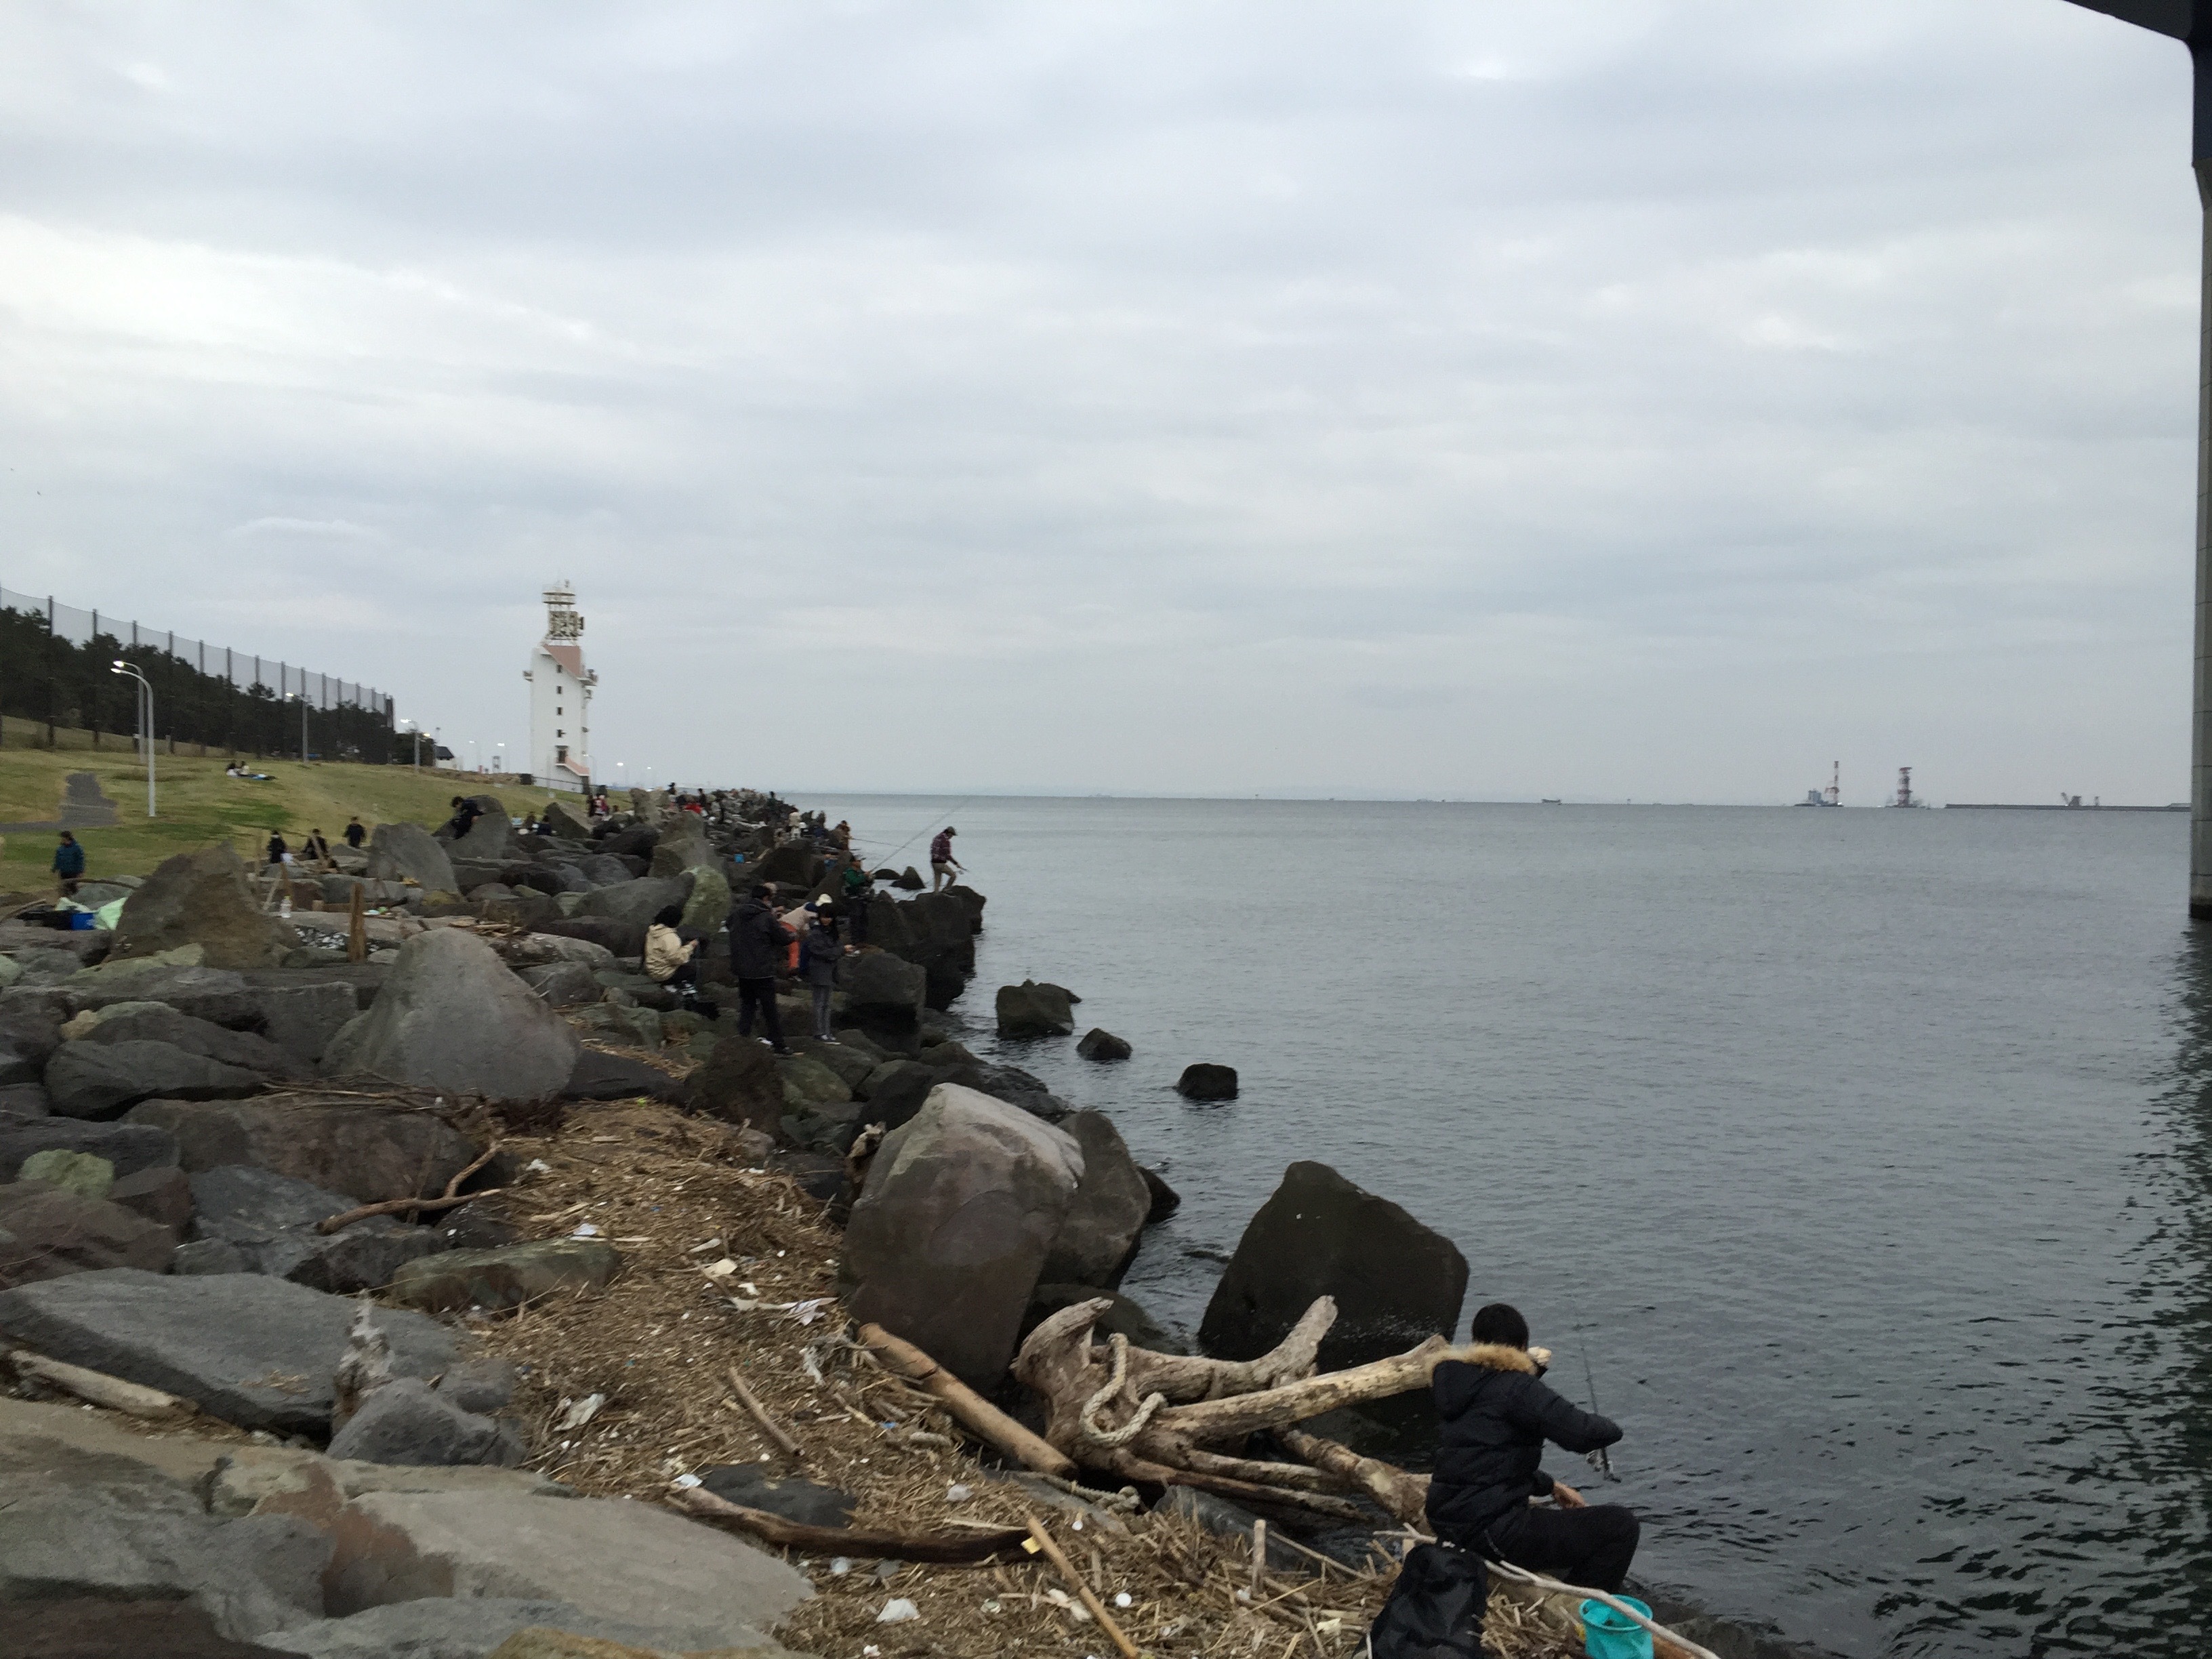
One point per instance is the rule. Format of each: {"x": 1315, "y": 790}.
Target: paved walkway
{"x": 83, "y": 807}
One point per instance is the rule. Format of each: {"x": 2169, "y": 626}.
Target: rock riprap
{"x": 1031, "y": 1009}
{"x": 408, "y": 852}
{"x": 452, "y": 1016}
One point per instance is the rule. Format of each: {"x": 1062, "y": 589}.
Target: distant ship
{"x": 1832, "y": 795}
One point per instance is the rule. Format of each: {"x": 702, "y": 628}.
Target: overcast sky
{"x": 1492, "y": 398}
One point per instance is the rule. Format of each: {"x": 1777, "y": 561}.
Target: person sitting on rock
{"x": 466, "y": 814}
{"x": 942, "y": 864}
{"x": 68, "y": 864}
{"x": 278, "y": 852}
{"x": 354, "y": 834}
{"x": 1496, "y": 1415}
{"x": 671, "y": 960}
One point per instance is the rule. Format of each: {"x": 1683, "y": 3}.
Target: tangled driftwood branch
{"x": 1176, "y": 1420}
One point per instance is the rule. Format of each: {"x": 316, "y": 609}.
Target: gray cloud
{"x": 1618, "y": 399}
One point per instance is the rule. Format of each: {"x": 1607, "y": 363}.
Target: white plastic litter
{"x": 688, "y": 1481}
{"x": 580, "y": 1411}
{"x": 586, "y": 1229}
{"x": 897, "y": 1611}
{"x": 840, "y": 1566}
{"x": 1123, "y": 1598}
{"x": 956, "y": 1493}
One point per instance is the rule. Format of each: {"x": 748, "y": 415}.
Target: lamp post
{"x": 145, "y": 723}
{"x": 2190, "y": 23}
{"x": 302, "y": 698}
{"x": 417, "y": 724}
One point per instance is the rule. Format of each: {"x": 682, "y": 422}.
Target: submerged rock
{"x": 1030, "y": 1010}
{"x": 1205, "y": 1081}
{"x": 1103, "y": 1046}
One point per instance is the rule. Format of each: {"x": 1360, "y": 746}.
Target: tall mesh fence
{"x": 56, "y": 663}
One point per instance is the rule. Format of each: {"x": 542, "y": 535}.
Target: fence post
{"x": 53, "y": 685}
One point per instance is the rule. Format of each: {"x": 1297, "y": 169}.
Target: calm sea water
{"x": 1867, "y": 1152}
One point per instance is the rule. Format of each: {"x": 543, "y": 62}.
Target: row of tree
{"x": 57, "y": 683}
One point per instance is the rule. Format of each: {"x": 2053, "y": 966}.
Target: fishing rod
{"x": 947, "y": 812}
{"x": 1600, "y": 1460}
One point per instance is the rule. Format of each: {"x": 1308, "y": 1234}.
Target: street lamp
{"x": 301, "y": 697}
{"x": 417, "y": 724}
{"x": 145, "y": 724}
{"x": 2190, "y": 23}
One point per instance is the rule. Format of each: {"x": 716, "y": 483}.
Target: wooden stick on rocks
{"x": 393, "y": 1206}
{"x": 903, "y": 1360}
{"x": 1042, "y": 1541}
{"x": 356, "y": 928}
{"x": 769, "y": 1427}
{"x": 840, "y": 1541}
{"x": 132, "y": 1399}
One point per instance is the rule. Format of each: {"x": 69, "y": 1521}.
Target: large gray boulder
{"x": 202, "y": 898}
{"x": 1395, "y": 1282}
{"x": 301, "y": 1019}
{"x": 156, "y": 1022}
{"x": 105, "y": 1079}
{"x": 948, "y": 1237}
{"x": 80, "y": 1525}
{"x": 682, "y": 846}
{"x": 1031, "y": 1009}
{"x": 490, "y": 839}
{"x": 634, "y": 904}
{"x": 267, "y": 1222}
{"x": 708, "y": 907}
{"x": 370, "y": 1150}
{"x": 604, "y": 870}
{"x": 558, "y": 820}
{"x": 253, "y": 1351}
{"x": 29, "y": 1037}
{"x": 408, "y": 852}
{"x": 451, "y": 1627}
{"x": 507, "y": 1276}
{"x": 407, "y": 1421}
{"x": 738, "y": 1082}
{"x": 694, "y": 1586}
{"x": 882, "y": 989}
{"x": 128, "y": 1147}
{"x": 1099, "y": 1237}
{"x": 453, "y": 1017}
{"x": 221, "y": 996}
{"x": 47, "y": 1230}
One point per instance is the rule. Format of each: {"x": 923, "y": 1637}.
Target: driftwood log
{"x": 842, "y": 1540}
{"x": 978, "y": 1415}
{"x": 1171, "y": 1419}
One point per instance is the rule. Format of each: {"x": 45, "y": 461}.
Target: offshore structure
{"x": 1904, "y": 796}
{"x": 561, "y": 688}
{"x": 1832, "y": 795}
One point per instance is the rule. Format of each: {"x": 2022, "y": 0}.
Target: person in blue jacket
{"x": 68, "y": 863}
{"x": 1496, "y": 1414}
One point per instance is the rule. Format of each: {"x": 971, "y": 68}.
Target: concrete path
{"x": 83, "y": 807}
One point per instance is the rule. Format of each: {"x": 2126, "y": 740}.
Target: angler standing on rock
{"x": 942, "y": 864}
{"x": 758, "y": 945}
{"x": 1495, "y": 1417}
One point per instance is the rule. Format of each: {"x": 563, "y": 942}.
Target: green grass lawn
{"x": 197, "y": 805}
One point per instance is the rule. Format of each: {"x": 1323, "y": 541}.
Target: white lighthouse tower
{"x": 560, "y": 697}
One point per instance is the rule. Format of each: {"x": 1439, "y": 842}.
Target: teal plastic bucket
{"x": 1609, "y": 1634}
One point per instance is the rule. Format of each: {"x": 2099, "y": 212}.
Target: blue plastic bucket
{"x": 82, "y": 922}
{"x": 1609, "y": 1634}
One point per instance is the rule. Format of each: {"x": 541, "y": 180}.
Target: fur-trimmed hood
{"x": 1497, "y": 1357}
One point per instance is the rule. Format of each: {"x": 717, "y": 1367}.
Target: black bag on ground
{"x": 1436, "y": 1608}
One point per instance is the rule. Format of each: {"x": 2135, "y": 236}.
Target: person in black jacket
{"x": 1495, "y": 1417}
{"x": 759, "y": 945}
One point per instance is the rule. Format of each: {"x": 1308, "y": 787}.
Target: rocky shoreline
{"x": 372, "y": 1242}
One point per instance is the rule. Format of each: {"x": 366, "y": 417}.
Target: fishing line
{"x": 1600, "y": 1460}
